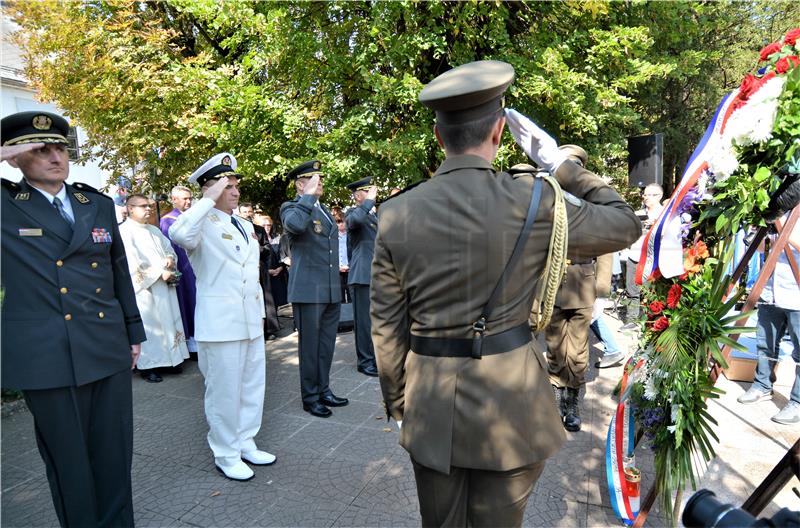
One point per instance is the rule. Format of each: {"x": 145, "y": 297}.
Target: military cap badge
{"x": 42, "y": 122}
{"x": 226, "y": 160}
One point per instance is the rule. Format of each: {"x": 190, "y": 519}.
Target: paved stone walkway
{"x": 348, "y": 470}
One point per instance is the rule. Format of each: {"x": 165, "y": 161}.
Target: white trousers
{"x": 235, "y": 374}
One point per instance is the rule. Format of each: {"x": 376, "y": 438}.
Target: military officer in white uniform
{"x": 229, "y": 326}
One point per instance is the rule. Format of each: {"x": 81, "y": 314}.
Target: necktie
{"x": 239, "y": 227}
{"x": 60, "y": 208}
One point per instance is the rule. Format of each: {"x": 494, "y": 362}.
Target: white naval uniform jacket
{"x": 229, "y": 306}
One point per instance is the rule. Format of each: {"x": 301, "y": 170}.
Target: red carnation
{"x": 674, "y": 296}
{"x": 769, "y": 49}
{"x": 748, "y": 85}
{"x": 661, "y": 324}
{"x": 785, "y": 64}
{"x": 684, "y": 277}
{"x": 656, "y": 307}
{"x": 792, "y": 36}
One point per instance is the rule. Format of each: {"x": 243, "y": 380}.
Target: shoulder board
{"x": 522, "y": 169}
{"x": 408, "y": 188}
{"x": 11, "y": 185}
{"x": 88, "y": 188}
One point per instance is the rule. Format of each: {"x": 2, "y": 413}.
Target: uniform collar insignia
{"x": 80, "y": 197}
{"x": 23, "y": 196}
{"x": 214, "y": 218}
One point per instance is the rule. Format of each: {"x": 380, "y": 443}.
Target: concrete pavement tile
{"x": 319, "y": 437}
{"x": 17, "y": 435}
{"x": 355, "y": 516}
{"x": 370, "y": 445}
{"x": 181, "y": 439}
{"x": 11, "y": 475}
{"x": 294, "y": 509}
{"x": 29, "y": 504}
{"x": 565, "y": 474}
{"x": 237, "y": 504}
{"x": 276, "y": 427}
{"x": 327, "y": 478}
{"x": 368, "y": 391}
{"x": 276, "y": 398}
{"x": 148, "y": 519}
{"x": 174, "y": 489}
{"x": 392, "y": 490}
{"x": 554, "y": 512}
{"x": 163, "y": 407}
{"x": 30, "y": 460}
{"x": 355, "y": 413}
{"x": 344, "y": 385}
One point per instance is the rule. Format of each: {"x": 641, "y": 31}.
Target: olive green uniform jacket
{"x": 440, "y": 250}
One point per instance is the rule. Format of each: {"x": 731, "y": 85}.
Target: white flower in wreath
{"x": 673, "y": 413}
{"x": 671, "y": 428}
{"x": 650, "y": 390}
{"x": 722, "y": 163}
{"x": 753, "y": 122}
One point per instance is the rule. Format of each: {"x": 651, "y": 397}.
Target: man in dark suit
{"x": 314, "y": 286}
{"x": 71, "y": 328}
{"x": 362, "y": 226}
{"x": 467, "y": 382}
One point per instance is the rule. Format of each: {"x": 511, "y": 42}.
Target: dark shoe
{"x": 333, "y": 401}
{"x": 317, "y": 409}
{"x": 192, "y": 356}
{"x": 558, "y": 392}
{"x": 271, "y": 337}
{"x": 369, "y": 370}
{"x": 177, "y": 369}
{"x": 572, "y": 413}
{"x": 610, "y": 360}
{"x": 151, "y": 376}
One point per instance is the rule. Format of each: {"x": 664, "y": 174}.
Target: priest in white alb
{"x": 152, "y": 261}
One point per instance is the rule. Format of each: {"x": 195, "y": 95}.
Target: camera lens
{"x": 704, "y": 510}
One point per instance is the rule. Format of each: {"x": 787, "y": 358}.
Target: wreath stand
{"x": 789, "y": 465}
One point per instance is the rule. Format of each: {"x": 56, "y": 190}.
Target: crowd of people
{"x": 441, "y": 315}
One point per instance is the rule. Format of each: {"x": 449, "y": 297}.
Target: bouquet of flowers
{"x": 751, "y": 146}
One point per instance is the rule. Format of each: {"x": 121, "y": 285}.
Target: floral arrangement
{"x": 752, "y": 144}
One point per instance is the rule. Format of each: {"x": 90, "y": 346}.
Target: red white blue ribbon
{"x": 662, "y": 249}
{"x": 620, "y": 443}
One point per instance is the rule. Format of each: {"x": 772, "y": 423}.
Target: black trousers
{"x": 85, "y": 437}
{"x": 474, "y": 497}
{"x": 365, "y": 353}
{"x": 316, "y": 328}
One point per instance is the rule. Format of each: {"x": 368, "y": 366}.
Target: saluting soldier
{"x": 362, "y": 226}
{"x": 458, "y": 368}
{"x": 229, "y": 316}
{"x": 314, "y": 286}
{"x": 71, "y": 329}
{"x": 567, "y": 335}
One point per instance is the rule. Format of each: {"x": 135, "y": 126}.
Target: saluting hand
{"x": 372, "y": 192}
{"x": 311, "y": 185}
{"x": 12, "y": 151}
{"x": 536, "y": 143}
{"x": 216, "y": 190}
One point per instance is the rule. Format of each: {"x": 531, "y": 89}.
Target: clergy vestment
{"x": 186, "y": 288}
{"x": 148, "y": 251}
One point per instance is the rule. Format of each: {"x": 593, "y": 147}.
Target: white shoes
{"x": 235, "y": 469}
{"x": 259, "y": 458}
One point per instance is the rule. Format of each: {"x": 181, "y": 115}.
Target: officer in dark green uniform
{"x": 362, "y": 226}
{"x": 314, "y": 286}
{"x": 70, "y": 326}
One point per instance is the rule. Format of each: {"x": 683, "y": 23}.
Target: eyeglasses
{"x": 146, "y": 206}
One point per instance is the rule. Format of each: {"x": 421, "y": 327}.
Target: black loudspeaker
{"x": 645, "y": 160}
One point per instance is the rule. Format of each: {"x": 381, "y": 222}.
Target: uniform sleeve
{"x": 603, "y": 274}
{"x": 123, "y": 288}
{"x": 357, "y": 216}
{"x": 296, "y": 215}
{"x": 390, "y": 328}
{"x": 187, "y": 229}
{"x": 600, "y": 221}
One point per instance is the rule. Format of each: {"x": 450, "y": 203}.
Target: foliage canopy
{"x": 164, "y": 85}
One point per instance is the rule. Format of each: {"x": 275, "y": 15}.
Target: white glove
{"x": 536, "y": 143}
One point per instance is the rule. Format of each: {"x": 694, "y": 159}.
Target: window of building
{"x": 73, "y": 148}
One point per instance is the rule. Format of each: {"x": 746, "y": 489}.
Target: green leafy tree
{"x": 164, "y": 85}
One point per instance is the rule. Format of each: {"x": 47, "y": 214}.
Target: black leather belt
{"x": 489, "y": 345}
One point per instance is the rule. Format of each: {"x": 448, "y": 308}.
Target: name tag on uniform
{"x": 226, "y": 236}
{"x": 101, "y": 236}
{"x": 30, "y": 231}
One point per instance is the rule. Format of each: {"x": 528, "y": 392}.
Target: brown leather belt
{"x": 489, "y": 345}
